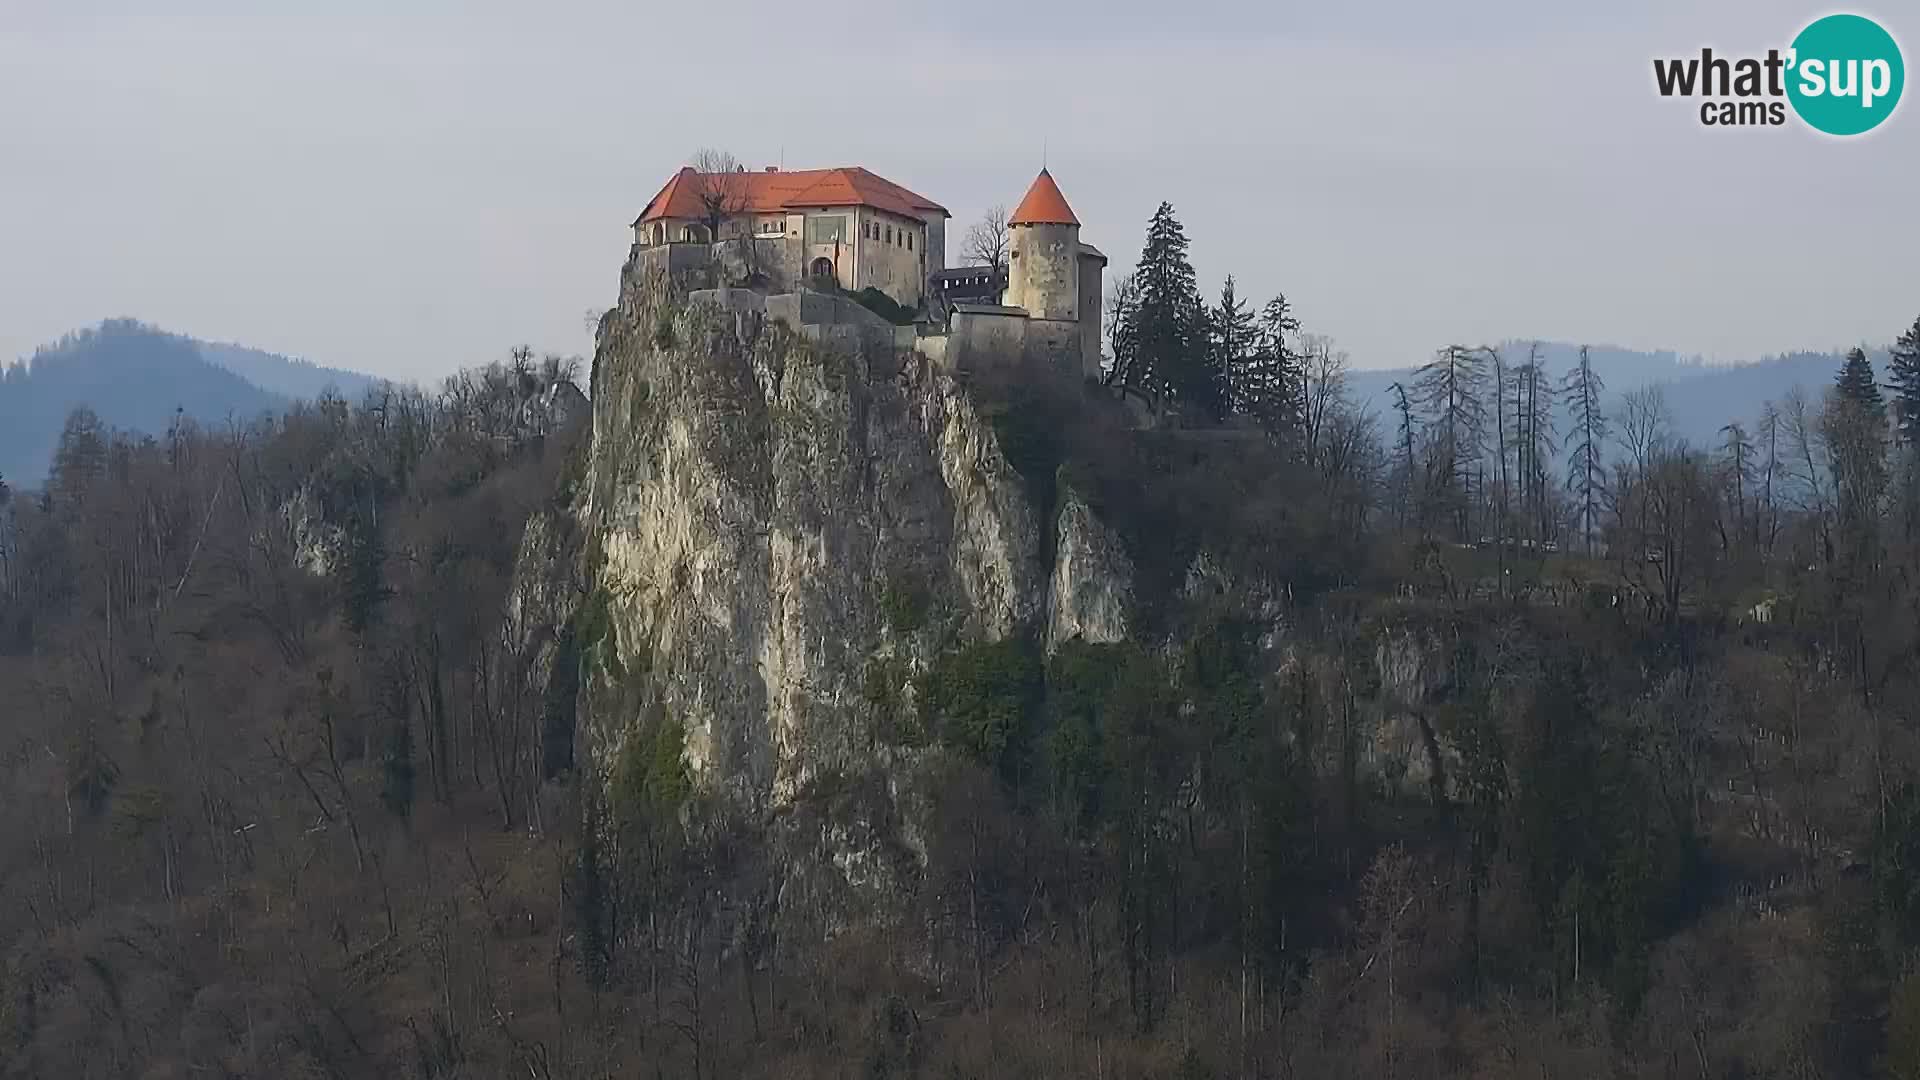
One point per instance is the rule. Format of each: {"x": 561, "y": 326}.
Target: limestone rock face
{"x": 538, "y": 625}
{"x": 1403, "y": 750}
{"x": 1412, "y": 667}
{"x": 757, "y": 503}
{"x": 318, "y": 546}
{"x": 1091, "y": 591}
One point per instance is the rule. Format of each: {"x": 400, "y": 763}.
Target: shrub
{"x": 882, "y": 686}
{"x": 884, "y": 306}
{"x": 982, "y": 700}
{"x": 650, "y": 778}
{"x": 904, "y": 602}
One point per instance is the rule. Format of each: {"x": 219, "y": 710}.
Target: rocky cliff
{"x": 768, "y": 526}
{"x": 772, "y": 536}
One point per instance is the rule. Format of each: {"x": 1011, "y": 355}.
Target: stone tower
{"x": 1043, "y": 252}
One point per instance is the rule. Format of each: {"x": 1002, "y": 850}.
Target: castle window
{"x": 909, "y": 241}
{"x": 827, "y": 230}
{"x": 889, "y": 234}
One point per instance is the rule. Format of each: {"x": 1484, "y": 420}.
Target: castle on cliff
{"x": 784, "y": 235}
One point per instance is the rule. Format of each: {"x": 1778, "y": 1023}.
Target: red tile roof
{"x": 772, "y": 192}
{"x": 1043, "y": 205}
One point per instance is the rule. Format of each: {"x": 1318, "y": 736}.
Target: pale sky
{"x": 408, "y": 193}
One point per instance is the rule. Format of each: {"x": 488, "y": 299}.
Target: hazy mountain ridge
{"x": 139, "y": 378}
{"x": 285, "y": 375}
{"x": 1702, "y": 396}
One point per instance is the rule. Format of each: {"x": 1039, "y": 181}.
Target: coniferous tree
{"x": 1501, "y": 504}
{"x": 1269, "y": 385}
{"x": 1856, "y": 382}
{"x": 1233, "y": 333}
{"x": 1903, "y": 378}
{"x": 1737, "y": 472}
{"x": 1166, "y": 322}
{"x": 1533, "y": 438}
{"x": 361, "y": 585}
{"x": 1586, "y": 434}
{"x": 1404, "y": 407}
{"x": 1449, "y": 392}
{"x": 79, "y": 459}
{"x": 1903, "y": 374}
{"x": 1769, "y": 464}
{"x": 1853, "y": 427}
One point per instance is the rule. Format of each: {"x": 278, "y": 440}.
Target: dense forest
{"x": 288, "y": 802}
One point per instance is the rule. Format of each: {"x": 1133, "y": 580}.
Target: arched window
{"x": 823, "y": 267}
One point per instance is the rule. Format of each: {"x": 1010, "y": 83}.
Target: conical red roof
{"x": 1043, "y": 205}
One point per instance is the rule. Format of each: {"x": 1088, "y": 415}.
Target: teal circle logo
{"x": 1845, "y": 74}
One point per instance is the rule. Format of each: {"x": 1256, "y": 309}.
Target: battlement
{"x": 977, "y": 338}
{"x": 817, "y": 316}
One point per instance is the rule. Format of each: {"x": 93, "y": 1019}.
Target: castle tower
{"x": 1043, "y": 252}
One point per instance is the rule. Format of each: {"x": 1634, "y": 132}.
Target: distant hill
{"x": 286, "y": 376}
{"x": 134, "y": 376}
{"x": 1702, "y": 397}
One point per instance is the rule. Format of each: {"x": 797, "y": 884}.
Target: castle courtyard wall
{"x": 1092, "y": 272}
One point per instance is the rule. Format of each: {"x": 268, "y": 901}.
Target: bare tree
{"x": 1767, "y": 522}
{"x": 720, "y": 182}
{"x": 1325, "y": 393}
{"x": 1641, "y": 429}
{"x": 1807, "y": 465}
{"x": 1123, "y": 294}
{"x": 1643, "y": 424}
{"x": 986, "y": 242}
{"x": 1676, "y": 501}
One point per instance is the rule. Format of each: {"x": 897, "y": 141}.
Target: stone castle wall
{"x": 1044, "y": 271}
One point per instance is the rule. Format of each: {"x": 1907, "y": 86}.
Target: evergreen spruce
{"x": 1167, "y": 323}
{"x": 362, "y": 587}
{"x": 1903, "y": 375}
{"x": 1233, "y": 332}
{"x": 1854, "y": 427}
{"x": 1586, "y": 435}
{"x": 1268, "y": 386}
{"x": 1403, "y": 407}
{"x": 1534, "y": 442}
{"x": 1449, "y": 391}
{"x": 1856, "y": 383}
